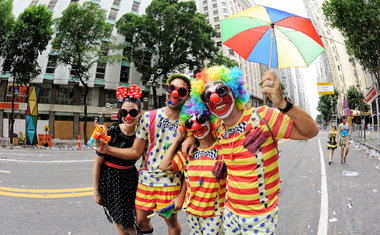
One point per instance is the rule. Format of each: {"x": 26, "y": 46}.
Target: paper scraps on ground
{"x": 350, "y": 173}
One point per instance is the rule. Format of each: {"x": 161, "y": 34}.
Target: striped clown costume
{"x": 249, "y": 151}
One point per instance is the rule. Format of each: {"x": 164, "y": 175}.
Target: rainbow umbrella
{"x": 272, "y": 37}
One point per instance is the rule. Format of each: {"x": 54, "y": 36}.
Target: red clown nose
{"x": 129, "y": 117}
{"x": 175, "y": 93}
{"x": 196, "y": 126}
{"x": 215, "y": 98}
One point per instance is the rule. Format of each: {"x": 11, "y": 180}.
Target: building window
{"x": 224, "y": 4}
{"x": 219, "y": 44}
{"x": 116, "y": 2}
{"x": 52, "y": 62}
{"x": 45, "y": 93}
{"x": 225, "y": 10}
{"x": 53, "y": 2}
{"x": 64, "y": 95}
{"x": 205, "y": 2}
{"x": 205, "y": 8}
{"x": 110, "y": 97}
{"x": 112, "y": 15}
{"x": 216, "y": 12}
{"x": 216, "y": 19}
{"x": 124, "y": 74}
{"x": 215, "y": 5}
{"x": 206, "y": 14}
{"x": 338, "y": 68}
{"x": 218, "y": 34}
{"x": 231, "y": 52}
{"x": 217, "y": 26}
{"x": 100, "y": 71}
{"x": 135, "y": 6}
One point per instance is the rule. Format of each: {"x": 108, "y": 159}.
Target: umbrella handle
{"x": 271, "y": 46}
{"x": 151, "y": 215}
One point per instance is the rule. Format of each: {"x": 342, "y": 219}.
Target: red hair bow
{"x": 133, "y": 91}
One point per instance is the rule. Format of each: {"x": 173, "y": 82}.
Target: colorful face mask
{"x": 219, "y": 99}
{"x": 198, "y": 125}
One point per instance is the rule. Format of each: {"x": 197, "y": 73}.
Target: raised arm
{"x": 132, "y": 153}
{"x": 304, "y": 126}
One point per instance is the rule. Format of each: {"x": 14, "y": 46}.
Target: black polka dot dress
{"x": 118, "y": 186}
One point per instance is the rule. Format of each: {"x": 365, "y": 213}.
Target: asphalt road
{"x": 49, "y": 192}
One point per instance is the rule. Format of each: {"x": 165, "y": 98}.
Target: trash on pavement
{"x": 333, "y": 220}
{"x": 350, "y": 173}
{"x": 349, "y": 205}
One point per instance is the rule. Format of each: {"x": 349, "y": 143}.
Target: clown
{"x": 204, "y": 200}
{"x": 248, "y": 137}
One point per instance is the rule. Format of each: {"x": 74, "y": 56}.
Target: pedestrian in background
{"x": 332, "y": 143}
{"x": 114, "y": 179}
{"x": 344, "y": 131}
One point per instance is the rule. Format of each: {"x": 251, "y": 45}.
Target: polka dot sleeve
{"x": 143, "y": 127}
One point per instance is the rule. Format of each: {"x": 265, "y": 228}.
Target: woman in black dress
{"x": 115, "y": 180}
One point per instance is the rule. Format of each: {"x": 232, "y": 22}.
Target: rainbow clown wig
{"x": 195, "y": 106}
{"x": 232, "y": 77}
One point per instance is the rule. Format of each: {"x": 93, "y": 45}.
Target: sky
{"x": 309, "y": 74}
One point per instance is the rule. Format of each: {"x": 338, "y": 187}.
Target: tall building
{"x": 61, "y": 98}
{"x": 336, "y": 65}
{"x": 215, "y": 11}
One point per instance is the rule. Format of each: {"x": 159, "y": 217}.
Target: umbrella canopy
{"x": 295, "y": 42}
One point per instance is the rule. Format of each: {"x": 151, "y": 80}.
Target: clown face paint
{"x": 176, "y": 101}
{"x": 223, "y": 106}
{"x": 199, "y": 126}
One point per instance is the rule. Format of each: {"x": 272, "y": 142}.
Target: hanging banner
{"x": 371, "y": 94}
{"x": 325, "y": 88}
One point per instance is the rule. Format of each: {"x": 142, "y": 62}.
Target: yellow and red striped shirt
{"x": 205, "y": 194}
{"x": 253, "y": 177}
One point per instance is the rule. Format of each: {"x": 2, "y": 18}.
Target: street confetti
{"x": 349, "y": 206}
{"x": 350, "y": 173}
{"x": 333, "y": 220}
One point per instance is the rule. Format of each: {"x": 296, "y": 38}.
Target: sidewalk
{"x": 368, "y": 143}
{"x": 4, "y": 142}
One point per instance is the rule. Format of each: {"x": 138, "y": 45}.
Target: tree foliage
{"x": 28, "y": 38}
{"x": 325, "y": 107}
{"x": 83, "y": 39}
{"x": 6, "y": 22}
{"x": 171, "y": 35}
{"x": 356, "y": 100}
{"x": 359, "y": 21}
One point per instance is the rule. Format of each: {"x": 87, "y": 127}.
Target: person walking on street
{"x": 344, "y": 132}
{"x": 332, "y": 144}
{"x": 155, "y": 133}
{"x": 115, "y": 180}
{"x": 248, "y": 137}
{"x": 206, "y": 192}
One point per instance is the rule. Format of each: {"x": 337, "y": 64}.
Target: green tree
{"x": 6, "y": 22}
{"x": 325, "y": 107}
{"x": 171, "y": 36}
{"x": 29, "y": 37}
{"x": 319, "y": 118}
{"x": 356, "y": 100}
{"x": 83, "y": 39}
{"x": 359, "y": 21}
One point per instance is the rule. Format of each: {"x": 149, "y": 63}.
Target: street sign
{"x": 371, "y": 94}
{"x": 325, "y": 88}
{"x": 114, "y": 115}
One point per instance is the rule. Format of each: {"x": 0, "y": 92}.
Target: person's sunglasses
{"x": 221, "y": 90}
{"x": 201, "y": 118}
{"x": 181, "y": 91}
{"x": 132, "y": 112}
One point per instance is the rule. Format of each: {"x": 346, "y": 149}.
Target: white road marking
{"x": 323, "y": 215}
{"x": 5, "y": 172}
{"x": 53, "y": 161}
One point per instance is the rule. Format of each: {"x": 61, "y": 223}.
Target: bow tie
{"x": 164, "y": 123}
{"x": 212, "y": 154}
{"x": 240, "y": 128}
